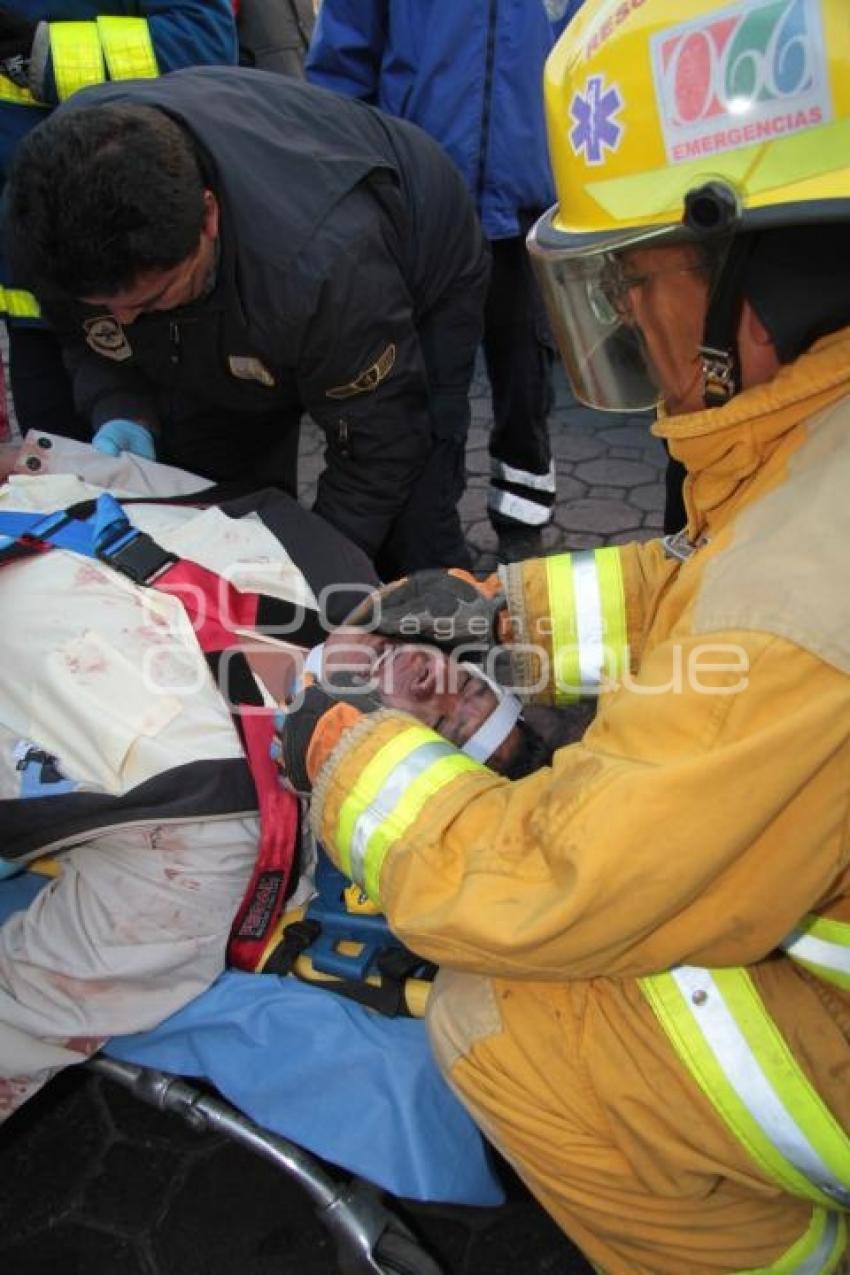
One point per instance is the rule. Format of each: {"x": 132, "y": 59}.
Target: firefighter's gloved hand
{"x": 119, "y": 436}
{"x": 448, "y": 607}
{"x": 310, "y": 728}
{"x": 16, "y": 39}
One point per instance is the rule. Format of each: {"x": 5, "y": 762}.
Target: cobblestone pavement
{"x": 94, "y": 1183}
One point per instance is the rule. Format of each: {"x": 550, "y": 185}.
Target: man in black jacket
{"x": 224, "y": 249}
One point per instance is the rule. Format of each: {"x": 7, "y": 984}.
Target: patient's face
{"x": 420, "y": 680}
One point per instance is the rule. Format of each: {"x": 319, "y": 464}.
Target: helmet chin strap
{"x": 721, "y": 364}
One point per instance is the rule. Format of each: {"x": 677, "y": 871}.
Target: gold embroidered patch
{"x": 106, "y": 336}
{"x": 250, "y": 369}
{"x": 369, "y": 380}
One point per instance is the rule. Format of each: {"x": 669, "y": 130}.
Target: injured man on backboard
{"x": 149, "y": 632}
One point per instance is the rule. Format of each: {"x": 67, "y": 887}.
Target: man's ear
{"x": 753, "y": 326}
{"x": 759, "y": 360}
{"x": 209, "y": 226}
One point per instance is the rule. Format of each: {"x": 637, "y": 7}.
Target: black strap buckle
{"x": 141, "y": 559}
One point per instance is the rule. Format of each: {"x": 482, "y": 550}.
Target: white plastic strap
{"x": 494, "y": 731}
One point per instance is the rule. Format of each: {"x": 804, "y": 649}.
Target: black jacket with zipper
{"x": 340, "y": 229}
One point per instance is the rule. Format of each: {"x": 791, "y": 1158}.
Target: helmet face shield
{"x": 591, "y": 298}
{"x": 587, "y": 301}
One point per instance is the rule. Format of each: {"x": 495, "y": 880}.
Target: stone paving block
{"x": 571, "y": 445}
{"x": 477, "y": 460}
{"x": 655, "y": 518}
{"x": 632, "y": 434}
{"x": 473, "y": 504}
{"x": 603, "y": 517}
{"x": 615, "y": 473}
{"x": 607, "y": 493}
{"x": 649, "y": 497}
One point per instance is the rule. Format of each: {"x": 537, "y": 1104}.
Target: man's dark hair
{"x": 100, "y": 194}
{"x": 533, "y": 752}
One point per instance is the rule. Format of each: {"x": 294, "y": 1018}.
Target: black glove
{"x": 321, "y": 718}
{"x": 16, "y": 38}
{"x": 450, "y": 608}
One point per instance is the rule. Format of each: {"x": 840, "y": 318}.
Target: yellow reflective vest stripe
{"x": 77, "y": 57}
{"x": 822, "y": 946}
{"x": 12, "y": 92}
{"x": 817, "y": 1252}
{"x": 18, "y": 304}
{"x": 589, "y": 623}
{"x": 78, "y": 50}
{"x": 719, "y": 1027}
{"x": 128, "y": 48}
{"x": 388, "y": 796}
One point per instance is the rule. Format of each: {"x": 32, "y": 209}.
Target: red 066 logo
{"x": 755, "y": 70}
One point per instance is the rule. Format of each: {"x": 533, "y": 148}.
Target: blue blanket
{"x": 357, "y": 1089}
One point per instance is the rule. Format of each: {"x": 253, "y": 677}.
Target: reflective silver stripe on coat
{"x": 388, "y": 797}
{"x": 590, "y": 621}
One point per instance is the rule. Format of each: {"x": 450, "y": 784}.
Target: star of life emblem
{"x": 596, "y": 129}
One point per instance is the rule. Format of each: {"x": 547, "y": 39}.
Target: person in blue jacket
{"x": 468, "y": 74}
{"x": 48, "y": 50}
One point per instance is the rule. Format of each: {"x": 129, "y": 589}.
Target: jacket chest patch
{"x": 245, "y": 368}
{"x": 367, "y": 380}
{"x": 106, "y": 336}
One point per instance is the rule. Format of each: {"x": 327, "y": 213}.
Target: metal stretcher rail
{"x": 369, "y": 1239}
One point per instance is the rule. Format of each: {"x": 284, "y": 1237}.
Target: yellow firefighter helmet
{"x": 675, "y": 119}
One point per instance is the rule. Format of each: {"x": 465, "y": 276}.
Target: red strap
{"x": 217, "y": 610}
{"x": 214, "y": 606}
{"x": 264, "y": 898}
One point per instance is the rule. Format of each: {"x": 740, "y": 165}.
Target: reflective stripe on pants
{"x": 822, "y": 946}
{"x": 723, "y": 1034}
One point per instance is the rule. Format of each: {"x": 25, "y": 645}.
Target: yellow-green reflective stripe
{"x": 12, "y": 92}
{"x": 388, "y": 797}
{"x": 369, "y": 783}
{"x": 19, "y": 304}
{"x": 398, "y": 821}
{"x": 721, "y": 1030}
{"x": 77, "y": 59}
{"x": 612, "y": 590}
{"x": 817, "y": 1252}
{"x": 128, "y": 48}
{"x": 822, "y": 945}
{"x": 565, "y": 671}
{"x": 386, "y": 790}
{"x": 588, "y": 610}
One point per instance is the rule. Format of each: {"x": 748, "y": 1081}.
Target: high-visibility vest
{"x": 85, "y": 53}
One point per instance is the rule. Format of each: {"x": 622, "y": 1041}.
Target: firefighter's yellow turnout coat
{"x": 645, "y": 993}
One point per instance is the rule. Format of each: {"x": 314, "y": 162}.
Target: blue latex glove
{"x": 119, "y": 436}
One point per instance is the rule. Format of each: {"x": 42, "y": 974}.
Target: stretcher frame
{"x": 368, "y": 1238}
